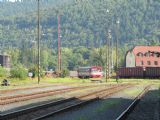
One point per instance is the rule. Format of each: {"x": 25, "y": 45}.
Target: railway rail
{"x": 31, "y": 88}
{"x": 63, "y": 105}
{"x": 25, "y": 88}
{"x": 131, "y": 107}
{"x": 23, "y": 97}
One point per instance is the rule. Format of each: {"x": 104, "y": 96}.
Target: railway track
{"x": 23, "y": 97}
{"x": 26, "y": 88}
{"x": 32, "y": 88}
{"x": 53, "y": 108}
{"x": 131, "y": 107}
{"x": 5, "y": 100}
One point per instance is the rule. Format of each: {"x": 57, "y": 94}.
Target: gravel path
{"x": 148, "y": 108}
{"x": 104, "y": 109}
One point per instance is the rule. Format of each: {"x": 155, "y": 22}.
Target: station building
{"x": 143, "y": 56}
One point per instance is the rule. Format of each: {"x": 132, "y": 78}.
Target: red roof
{"x": 146, "y": 60}
{"x": 144, "y": 49}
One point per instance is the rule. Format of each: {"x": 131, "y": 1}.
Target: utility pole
{"x": 107, "y": 51}
{"x": 112, "y": 53}
{"x": 107, "y": 59}
{"x": 108, "y": 55}
{"x": 34, "y": 51}
{"x": 117, "y": 37}
{"x": 38, "y": 32}
{"x": 59, "y": 47}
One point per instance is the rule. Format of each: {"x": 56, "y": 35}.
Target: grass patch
{"x": 132, "y": 92}
{"x": 34, "y": 82}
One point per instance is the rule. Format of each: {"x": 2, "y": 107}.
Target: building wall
{"x": 148, "y": 61}
{"x": 1, "y": 60}
{"x": 130, "y": 59}
{"x": 6, "y": 61}
{"x": 140, "y": 56}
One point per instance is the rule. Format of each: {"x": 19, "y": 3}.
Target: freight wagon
{"x": 152, "y": 72}
{"x": 130, "y": 72}
{"x": 139, "y": 72}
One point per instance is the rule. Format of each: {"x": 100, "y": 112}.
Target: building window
{"x": 157, "y": 55}
{"x": 140, "y": 54}
{"x": 155, "y": 62}
{"x": 141, "y": 63}
{"x": 149, "y": 62}
{"x": 146, "y": 54}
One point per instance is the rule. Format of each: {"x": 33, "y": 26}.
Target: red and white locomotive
{"x": 90, "y": 72}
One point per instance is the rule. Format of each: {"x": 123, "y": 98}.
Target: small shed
{"x": 5, "y": 61}
{"x": 73, "y": 73}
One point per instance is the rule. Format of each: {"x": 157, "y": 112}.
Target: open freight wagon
{"x": 139, "y": 72}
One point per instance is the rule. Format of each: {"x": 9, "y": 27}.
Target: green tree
{"x": 3, "y": 72}
{"x": 19, "y": 71}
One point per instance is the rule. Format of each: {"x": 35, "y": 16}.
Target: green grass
{"x": 133, "y": 92}
{"x": 64, "y": 80}
{"x": 141, "y": 81}
{"x": 34, "y": 82}
{"x": 28, "y": 82}
{"x": 47, "y": 80}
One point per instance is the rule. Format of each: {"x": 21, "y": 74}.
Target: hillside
{"x": 83, "y": 23}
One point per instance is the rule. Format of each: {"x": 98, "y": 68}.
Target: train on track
{"x": 139, "y": 72}
{"x": 90, "y": 72}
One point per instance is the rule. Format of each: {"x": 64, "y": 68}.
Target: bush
{"x": 3, "y": 72}
{"x": 65, "y": 73}
{"x": 34, "y": 70}
{"x": 18, "y": 72}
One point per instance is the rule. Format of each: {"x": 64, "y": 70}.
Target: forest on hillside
{"x": 84, "y": 27}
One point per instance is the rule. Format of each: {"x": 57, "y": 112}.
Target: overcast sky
{"x": 12, "y": 0}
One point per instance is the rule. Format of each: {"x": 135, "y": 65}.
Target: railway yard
{"x": 81, "y": 101}
{"x": 79, "y": 60}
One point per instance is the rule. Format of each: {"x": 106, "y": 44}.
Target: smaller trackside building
{"x": 5, "y": 61}
{"x": 143, "y": 56}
